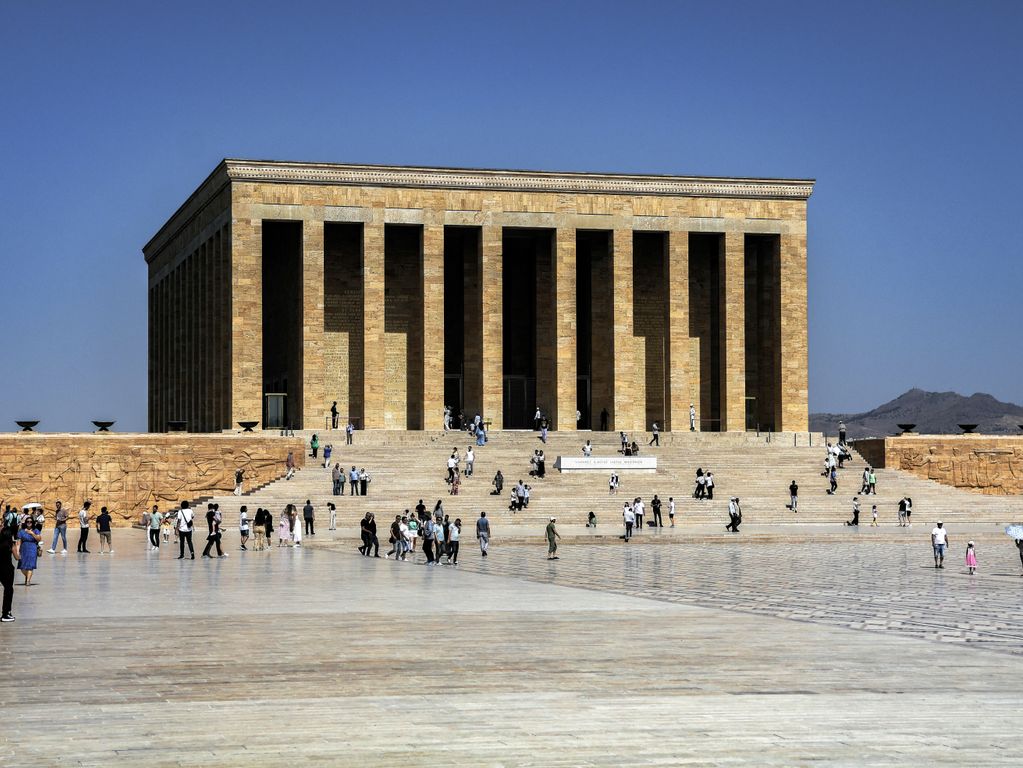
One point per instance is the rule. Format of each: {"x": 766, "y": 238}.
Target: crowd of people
{"x": 433, "y": 532}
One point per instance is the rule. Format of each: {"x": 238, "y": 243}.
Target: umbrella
{"x": 33, "y": 505}
{"x": 1015, "y": 530}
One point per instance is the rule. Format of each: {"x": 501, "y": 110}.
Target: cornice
{"x": 515, "y": 181}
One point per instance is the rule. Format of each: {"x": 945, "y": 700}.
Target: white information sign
{"x": 606, "y": 463}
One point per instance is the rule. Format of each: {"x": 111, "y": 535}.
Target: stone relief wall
{"x": 130, "y": 473}
{"x": 981, "y": 463}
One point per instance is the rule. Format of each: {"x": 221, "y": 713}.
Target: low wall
{"x": 128, "y": 473}
{"x": 984, "y": 463}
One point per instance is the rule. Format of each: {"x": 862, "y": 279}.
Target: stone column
{"x": 373, "y": 357}
{"x": 732, "y": 341}
{"x": 792, "y": 286}
{"x": 677, "y": 365}
{"x": 432, "y": 301}
{"x": 246, "y": 288}
{"x": 492, "y": 326}
{"x": 629, "y": 381}
{"x": 565, "y": 327}
{"x": 313, "y": 387}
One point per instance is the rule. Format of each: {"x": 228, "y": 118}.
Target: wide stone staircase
{"x": 408, "y": 466}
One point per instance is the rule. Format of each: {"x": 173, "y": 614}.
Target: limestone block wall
{"x": 982, "y": 463}
{"x": 129, "y": 472}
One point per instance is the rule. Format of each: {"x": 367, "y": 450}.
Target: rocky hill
{"x": 932, "y": 412}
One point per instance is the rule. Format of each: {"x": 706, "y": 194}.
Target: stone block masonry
{"x": 329, "y": 282}
{"x": 129, "y": 473}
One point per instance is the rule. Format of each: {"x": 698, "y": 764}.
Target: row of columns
{"x": 628, "y": 394}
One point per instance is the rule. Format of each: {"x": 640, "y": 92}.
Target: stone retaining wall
{"x": 130, "y": 472}
{"x": 983, "y": 463}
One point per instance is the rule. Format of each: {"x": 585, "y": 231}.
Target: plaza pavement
{"x": 805, "y": 652}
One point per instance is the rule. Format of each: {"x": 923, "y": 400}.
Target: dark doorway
{"x": 463, "y": 372}
{"x": 527, "y": 287}
{"x": 763, "y": 331}
{"x": 595, "y": 326}
{"x": 649, "y": 302}
{"x": 706, "y": 252}
{"x": 282, "y": 315}
{"x": 342, "y": 318}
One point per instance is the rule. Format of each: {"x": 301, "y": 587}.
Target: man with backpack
{"x": 185, "y": 522}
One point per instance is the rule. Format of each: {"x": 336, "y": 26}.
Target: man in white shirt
{"x": 939, "y": 541}
{"x": 630, "y": 520}
{"x": 184, "y": 523}
{"x": 692, "y": 418}
{"x": 470, "y": 457}
{"x": 638, "y": 509}
{"x": 587, "y": 449}
{"x": 84, "y": 516}
{"x": 671, "y": 510}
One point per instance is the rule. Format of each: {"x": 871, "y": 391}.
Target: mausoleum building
{"x": 278, "y": 288}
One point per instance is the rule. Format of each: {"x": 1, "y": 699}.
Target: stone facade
{"x": 982, "y": 463}
{"x": 352, "y": 308}
{"x": 130, "y": 473}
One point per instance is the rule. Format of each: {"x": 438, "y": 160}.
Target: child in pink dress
{"x": 971, "y": 558}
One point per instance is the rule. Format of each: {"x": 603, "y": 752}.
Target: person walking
{"x": 307, "y": 517}
{"x": 939, "y": 541}
{"x": 103, "y": 529}
{"x": 259, "y": 527}
{"x": 426, "y": 530}
{"x": 855, "y": 512}
{"x": 296, "y": 528}
{"x": 239, "y": 479}
{"x": 372, "y": 542}
{"x": 328, "y": 449}
{"x": 483, "y": 533}
{"x": 84, "y": 521}
{"x": 470, "y": 460}
{"x": 155, "y": 520}
{"x": 60, "y": 529}
{"x": 833, "y": 479}
{"x": 873, "y": 516}
{"x": 333, "y": 415}
{"x": 268, "y": 525}
{"x": 708, "y": 481}
{"x": 612, "y": 484}
{"x": 692, "y": 418}
{"x": 243, "y": 526}
{"x": 314, "y": 444}
{"x": 284, "y": 528}
{"x": 185, "y": 524}
{"x": 552, "y": 540}
{"x": 10, "y": 550}
{"x": 454, "y": 534}
{"x": 656, "y": 438}
{"x": 289, "y": 464}
{"x": 971, "y": 557}
{"x": 793, "y": 496}
{"x": 902, "y": 512}
{"x": 655, "y": 505}
{"x": 214, "y": 536}
{"x": 734, "y": 515}
{"x": 29, "y": 550}
{"x": 865, "y": 484}
{"x": 498, "y": 483}
{"x": 332, "y": 511}
{"x": 1019, "y": 546}
{"x": 629, "y": 518}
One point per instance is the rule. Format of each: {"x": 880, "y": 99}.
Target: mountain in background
{"x": 932, "y": 412}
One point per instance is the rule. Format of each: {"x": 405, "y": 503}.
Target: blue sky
{"x": 907, "y": 114}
